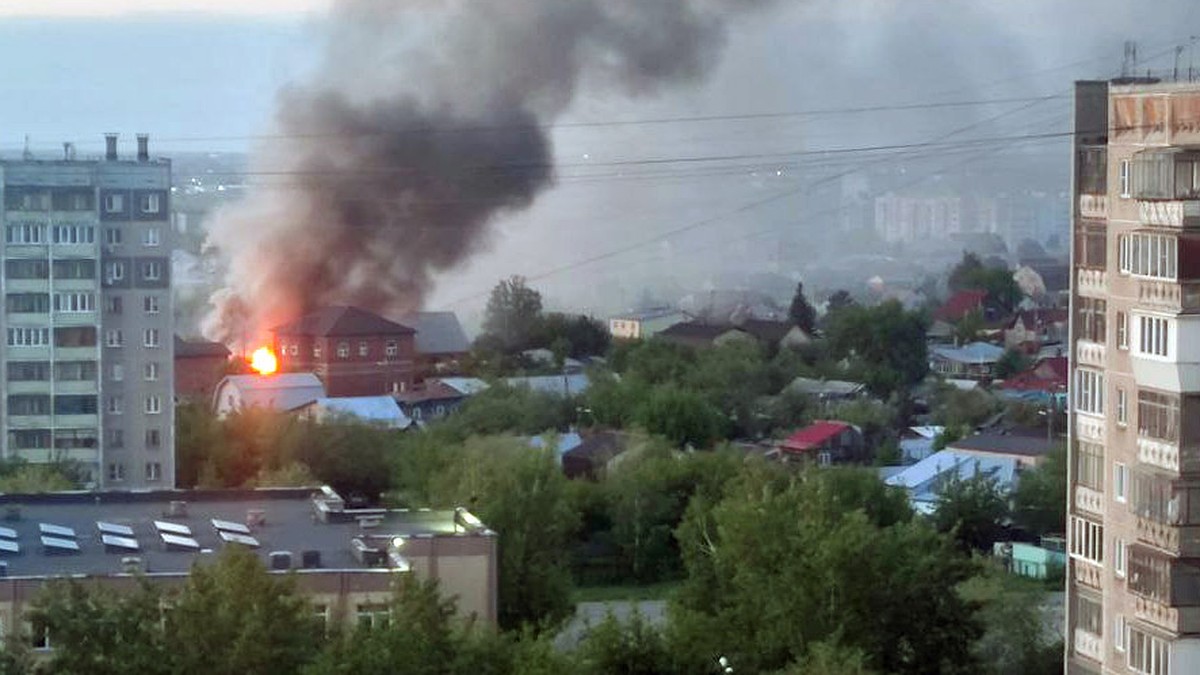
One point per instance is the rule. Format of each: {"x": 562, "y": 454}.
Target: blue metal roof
{"x": 976, "y": 352}
{"x": 379, "y": 409}
{"x": 925, "y": 480}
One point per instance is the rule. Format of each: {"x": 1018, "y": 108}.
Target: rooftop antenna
{"x": 1129, "y": 64}
{"x": 27, "y": 154}
{"x": 1175, "y": 72}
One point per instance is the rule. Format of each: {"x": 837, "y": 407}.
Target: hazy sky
{"x": 65, "y": 8}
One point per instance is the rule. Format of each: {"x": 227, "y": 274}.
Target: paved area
{"x": 588, "y": 614}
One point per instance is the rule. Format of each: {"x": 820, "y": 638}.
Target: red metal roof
{"x": 813, "y": 435}
{"x": 960, "y": 304}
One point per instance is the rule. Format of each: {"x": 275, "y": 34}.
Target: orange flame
{"x": 263, "y": 360}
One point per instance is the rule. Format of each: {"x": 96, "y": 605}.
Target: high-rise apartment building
{"x": 1133, "y": 577}
{"x": 88, "y": 315}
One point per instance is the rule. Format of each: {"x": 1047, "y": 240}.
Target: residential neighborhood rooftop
{"x": 437, "y": 332}
{"x": 341, "y": 321}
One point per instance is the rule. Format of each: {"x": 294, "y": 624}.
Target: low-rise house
{"x": 441, "y": 343}
{"x": 644, "y": 324}
{"x": 916, "y": 443}
{"x": 281, "y": 392}
{"x": 1031, "y": 560}
{"x": 1027, "y": 449}
{"x": 565, "y": 386}
{"x": 1043, "y": 384}
{"x": 698, "y": 335}
{"x": 940, "y": 331}
{"x": 961, "y": 304}
{"x": 199, "y": 367}
{"x": 926, "y": 480}
{"x": 596, "y": 452}
{"x": 1028, "y": 330}
{"x": 353, "y": 351}
{"x": 827, "y": 390}
{"x": 825, "y": 442}
{"x": 432, "y": 400}
{"x": 545, "y": 358}
{"x": 973, "y": 361}
{"x": 775, "y": 334}
{"x": 344, "y": 560}
{"x": 376, "y": 410}
{"x": 467, "y": 386}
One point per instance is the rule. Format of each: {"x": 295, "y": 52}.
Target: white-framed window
{"x": 373, "y": 615}
{"x": 114, "y": 271}
{"x": 152, "y": 271}
{"x": 150, "y": 338}
{"x": 116, "y": 439}
{"x": 1119, "y": 558}
{"x": 316, "y": 350}
{"x": 1153, "y": 336}
{"x": 113, "y": 337}
{"x": 1087, "y": 540}
{"x": 26, "y": 233}
{"x": 150, "y": 237}
{"x": 1119, "y": 633}
{"x": 74, "y": 303}
{"x": 1146, "y": 254}
{"x": 1147, "y": 654}
{"x": 1120, "y": 481}
{"x": 28, "y": 337}
{"x": 112, "y": 236}
{"x": 117, "y": 372}
{"x": 116, "y": 405}
{"x": 364, "y": 348}
{"x": 150, "y": 304}
{"x": 1124, "y": 178}
{"x": 343, "y": 350}
{"x": 153, "y": 404}
{"x": 1122, "y": 407}
{"x": 1089, "y": 465}
{"x": 1122, "y": 330}
{"x": 153, "y": 439}
{"x": 74, "y": 234}
{"x": 150, "y": 203}
{"x": 114, "y": 203}
{"x": 153, "y": 471}
{"x": 150, "y": 372}
{"x": 1089, "y": 391}
{"x": 294, "y": 349}
{"x": 392, "y": 348}
{"x": 116, "y": 471}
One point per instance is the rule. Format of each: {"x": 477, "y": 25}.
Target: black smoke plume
{"x": 424, "y": 121}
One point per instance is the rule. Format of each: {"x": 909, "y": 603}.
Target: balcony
{"x": 1089, "y": 645}
{"x": 1089, "y": 500}
{"x": 1091, "y": 282}
{"x": 1088, "y": 353}
{"x": 1181, "y": 214}
{"x": 1093, "y": 206}
{"x": 1170, "y": 619}
{"x": 1176, "y": 540}
{"x": 1169, "y": 295}
{"x": 1089, "y": 428}
{"x": 1157, "y": 453}
{"x": 1086, "y": 573}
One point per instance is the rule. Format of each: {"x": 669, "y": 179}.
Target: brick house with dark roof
{"x": 353, "y": 351}
{"x": 199, "y": 366}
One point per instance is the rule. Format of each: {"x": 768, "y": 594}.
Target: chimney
{"x": 143, "y": 141}
{"x": 110, "y": 147}
{"x": 68, "y": 151}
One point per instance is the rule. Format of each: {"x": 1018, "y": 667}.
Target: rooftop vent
{"x": 281, "y": 560}
{"x": 132, "y": 564}
{"x": 366, "y": 554}
{"x": 143, "y": 147}
{"x": 110, "y": 147}
{"x": 68, "y": 151}
{"x": 310, "y": 560}
{"x": 177, "y": 509}
{"x": 256, "y": 517}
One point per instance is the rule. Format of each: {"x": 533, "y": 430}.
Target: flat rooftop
{"x": 144, "y": 524}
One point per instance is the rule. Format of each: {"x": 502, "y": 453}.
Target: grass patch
{"x": 626, "y": 593}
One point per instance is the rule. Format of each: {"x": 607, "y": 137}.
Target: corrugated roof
{"x": 378, "y": 409}
{"x": 281, "y": 391}
{"x": 467, "y": 386}
{"x": 807, "y": 385}
{"x": 433, "y": 390}
{"x": 557, "y": 385}
{"x": 814, "y": 435}
{"x": 437, "y": 332}
{"x": 976, "y": 352}
{"x": 341, "y": 321}
{"x": 1029, "y": 445}
{"x": 925, "y": 480}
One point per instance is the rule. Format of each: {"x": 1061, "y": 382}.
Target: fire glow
{"x": 263, "y": 361}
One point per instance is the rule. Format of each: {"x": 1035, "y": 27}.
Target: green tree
{"x": 886, "y": 343}
{"x": 513, "y": 313}
{"x": 682, "y": 416}
{"x": 1010, "y": 363}
{"x": 959, "y": 409}
{"x": 520, "y": 493}
{"x": 1039, "y": 502}
{"x": 1003, "y": 292}
{"x": 801, "y": 311}
{"x": 632, "y": 648}
{"x": 1015, "y": 639}
{"x": 839, "y": 300}
{"x": 781, "y": 563}
{"x": 968, "y": 328}
{"x": 973, "y": 511}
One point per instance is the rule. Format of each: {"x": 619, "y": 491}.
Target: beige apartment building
{"x": 1133, "y": 577}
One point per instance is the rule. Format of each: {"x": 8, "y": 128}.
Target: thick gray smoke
{"x": 423, "y": 122}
